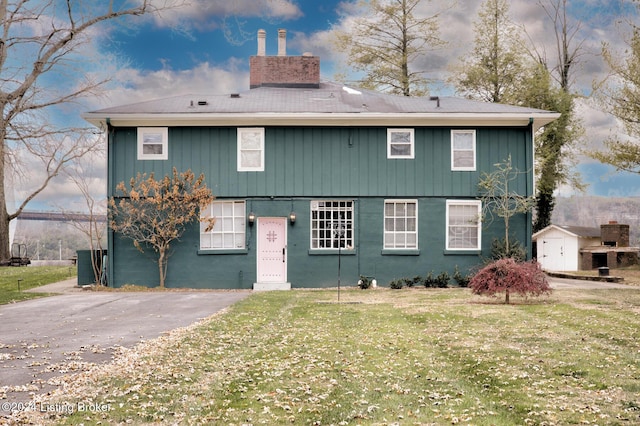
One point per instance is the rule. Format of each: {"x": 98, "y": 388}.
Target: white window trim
{"x": 478, "y": 205}
{"x": 164, "y": 134}
{"x": 384, "y": 230}
{"x": 241, "y": 131}
{"x": 463, "y": 169}
{"x": 344, "y": 238}
{"x": 209, "y": 212}
{"x": 411, "y": 144}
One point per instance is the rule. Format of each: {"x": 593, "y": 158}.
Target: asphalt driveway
{"x": 48, "y": 337}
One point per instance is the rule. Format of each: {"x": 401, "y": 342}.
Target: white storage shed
{"x": 558, "y": 246}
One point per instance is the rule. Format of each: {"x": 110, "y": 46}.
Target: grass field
{"x": 411, "y": 356}
{"x": 14, "y": 280}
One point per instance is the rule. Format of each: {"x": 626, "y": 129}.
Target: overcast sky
{"x": 205, "y": 48}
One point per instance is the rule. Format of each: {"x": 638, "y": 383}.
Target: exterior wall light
{"x": 292, "y": 217}
{"x": 252, "y": 218}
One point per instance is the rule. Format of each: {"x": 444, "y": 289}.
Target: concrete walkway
{"x": 67, "y": 286}
{"x": 572, "y": 283}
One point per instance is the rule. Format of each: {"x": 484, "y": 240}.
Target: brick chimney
{"x": 614, "y": 234}
{"x": 282, "y": 70}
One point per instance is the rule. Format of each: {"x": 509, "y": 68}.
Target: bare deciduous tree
{"x": 501, "y": 68}
{"x": 40, "y": 44}
{"x": 385, "y": 43}
{"x": 500, "y": 199}
{"x": 569, "y": 47}
{"x": 495, "y": 68}
{"x": 155, "y": 213}
{"x": 554, "y": 148}
{"x": 92, "y": 225}
{"x": 621, "y": 98}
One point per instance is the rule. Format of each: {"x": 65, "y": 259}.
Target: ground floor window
{"x": 332, "y": 224}
{"x": 229, "y": 229}
{"x": 401, "y": 224}
{"x": 463, "y": 224}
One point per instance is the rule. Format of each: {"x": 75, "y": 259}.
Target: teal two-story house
{"x": 310, "y": 174}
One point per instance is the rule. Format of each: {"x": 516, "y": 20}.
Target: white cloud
{"x": 227, "y": 15}
{"x": 456, "y": 26}
{"x": 61, "y": 192}
{"x": 135, "y": 85}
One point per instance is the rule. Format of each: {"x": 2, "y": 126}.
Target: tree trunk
{"x": 162, "y": 260}
{"x": 5, "y": 249}
{"x": 506, "y": 297}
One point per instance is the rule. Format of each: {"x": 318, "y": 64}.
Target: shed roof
{"x": 330, "y": 104}
{"x": 577, "y": 231}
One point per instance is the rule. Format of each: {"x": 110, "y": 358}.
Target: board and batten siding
{"x": 327, "y": 162}
{"x": 306, "y": 267}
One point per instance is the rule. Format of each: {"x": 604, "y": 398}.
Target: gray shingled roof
{"x": 330, "y": 104}
{"x": 329, "y": 98}
{"x": 580, "y": 231}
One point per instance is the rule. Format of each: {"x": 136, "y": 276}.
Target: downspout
{"x": 533, "y": 156}
{"x": 110, "y": 233}
{"x": 531, "y": 186}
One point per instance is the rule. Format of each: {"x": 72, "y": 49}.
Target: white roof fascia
{"x": 558, "y": 228}
{"x": 320, "y": 119}
{"x": 549, "y": 228}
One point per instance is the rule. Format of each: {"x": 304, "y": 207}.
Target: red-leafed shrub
{"x": 509, "y": 276}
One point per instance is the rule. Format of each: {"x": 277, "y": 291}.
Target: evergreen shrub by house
{"x": 442, "y": 280}
{"x": 364, "y": 282}
{"x": 501, "y": 248}
{"x": 462, "y": 280}
{"x": 410, "y": 282}
{"x": 429, "y": 281}
{"x": 439, "y": 281}
{"x": 397, "y": 284}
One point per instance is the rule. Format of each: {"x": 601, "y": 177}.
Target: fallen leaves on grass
{"x": 420, "y": 357}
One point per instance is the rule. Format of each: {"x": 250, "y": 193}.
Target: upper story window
{"x": 251, "y": 149}
{"x": 463, "y": 224}
{"x": 401, "y": 224}
{"x": 332, "y": 224}
{"x": 153, "y": 143}
{"x": 229, "y": 228}
{"x": 463, "y": 150}
{"x": 400, "y": 143}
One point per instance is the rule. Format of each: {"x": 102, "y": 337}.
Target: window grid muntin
{"x": 463, "y": 150}
{"x": 327, "y": 216}
{"x": 400, "y": 143}
{"x": 401, "y": 224}
{"x": 464, "y": 225}
{"x": 229, "y": 229}
{"x": 250, "y": 149}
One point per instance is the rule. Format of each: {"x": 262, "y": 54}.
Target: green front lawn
{"x": 14, "y": 280}
{"x": 382, "y": 356}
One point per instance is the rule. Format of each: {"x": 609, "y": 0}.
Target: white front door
{"x": 272, "y": 251}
